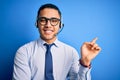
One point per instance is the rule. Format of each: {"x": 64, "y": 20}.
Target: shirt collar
{"x": 42, "y": 42}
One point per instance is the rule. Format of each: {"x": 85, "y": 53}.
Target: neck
{"x": 49, "y": 41}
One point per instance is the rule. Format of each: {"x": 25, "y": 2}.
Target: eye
{"x": 54, "y": 20}
{"x": 42, "y": 20}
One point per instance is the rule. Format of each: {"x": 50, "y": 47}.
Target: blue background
{"x": 83, "y": 19}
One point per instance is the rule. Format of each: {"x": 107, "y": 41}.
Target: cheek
{"x": 40, "y": 27}
{"x": 40, "y": 30}
{"x": 57, "y": 27}
{"x": 57, "y": 30}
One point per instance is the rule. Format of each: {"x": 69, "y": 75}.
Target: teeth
{"x": 48, "y": 31}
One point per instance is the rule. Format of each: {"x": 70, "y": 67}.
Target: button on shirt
{"x": 29, "y": 62}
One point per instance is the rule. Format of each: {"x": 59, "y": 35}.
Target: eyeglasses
{"x": 53, "y": 21}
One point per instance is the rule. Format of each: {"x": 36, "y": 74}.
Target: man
{"x": 32, "y": 62}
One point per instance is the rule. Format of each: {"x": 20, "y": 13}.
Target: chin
{"x": 48, "y": 37}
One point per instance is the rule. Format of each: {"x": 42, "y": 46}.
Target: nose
{"x": 48, "y": 24}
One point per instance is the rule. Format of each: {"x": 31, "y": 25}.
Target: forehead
{"x": 49, "y": 12}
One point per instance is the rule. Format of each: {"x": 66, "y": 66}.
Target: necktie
{"x": 48, "y": 63}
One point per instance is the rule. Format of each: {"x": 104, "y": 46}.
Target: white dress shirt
{"x": 29, "y": 62}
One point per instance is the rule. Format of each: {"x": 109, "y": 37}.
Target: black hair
{"x": 49, "y": 5}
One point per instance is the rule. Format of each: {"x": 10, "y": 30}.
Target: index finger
{"x": 94, "y": 40}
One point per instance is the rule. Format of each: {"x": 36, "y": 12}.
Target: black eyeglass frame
{"x": 50, "y": 19}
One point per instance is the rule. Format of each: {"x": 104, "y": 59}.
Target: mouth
{"x": 48, "y": 31}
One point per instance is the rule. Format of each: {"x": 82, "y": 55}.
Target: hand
{"x": 89, "y": 50}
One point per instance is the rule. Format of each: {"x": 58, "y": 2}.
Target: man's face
{"x": 48, "y": 17}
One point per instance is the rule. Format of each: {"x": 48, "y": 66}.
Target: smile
{"x": 48, "y": 31}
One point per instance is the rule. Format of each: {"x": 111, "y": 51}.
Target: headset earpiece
{"x": 36, "y": 24}
{"x": 61, "y": 25}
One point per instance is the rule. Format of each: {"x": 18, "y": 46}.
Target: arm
{"x": 21, "y": 65}
{"x": 84, "y": 73}
{"x": 89, "y": 51}
{"x": 77, "y": 71}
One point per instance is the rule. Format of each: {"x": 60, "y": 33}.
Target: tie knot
{"x": 48, "y": 46}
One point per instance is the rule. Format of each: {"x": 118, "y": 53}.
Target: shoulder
{"x": 67, "y": 47}
{"x": 70, "y": 51}
{"x": 28, "y": 46}
{"x": 26, "y": 50}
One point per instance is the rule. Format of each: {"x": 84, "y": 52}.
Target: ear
{"x": 36, "y": 24}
